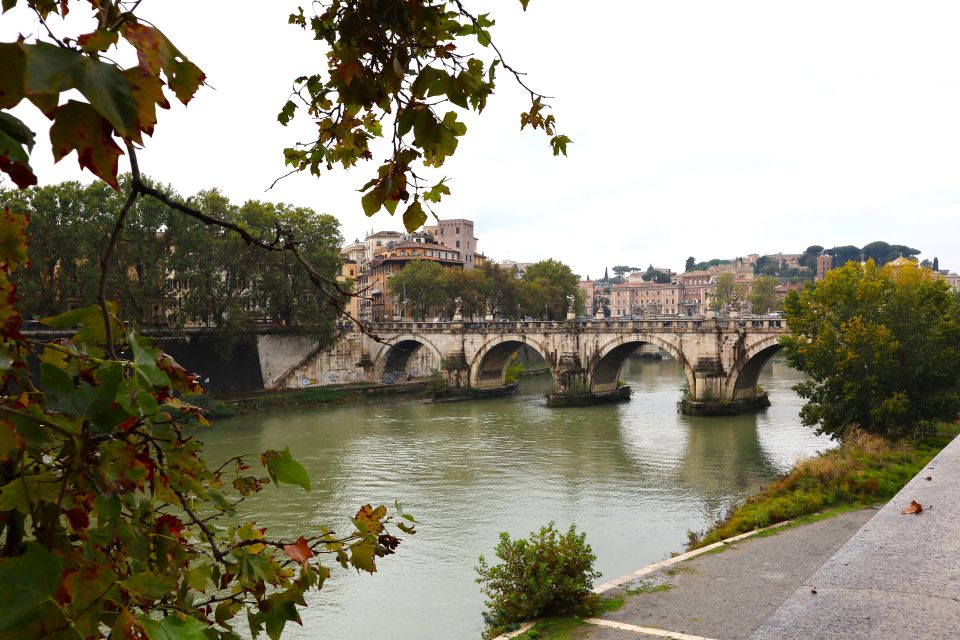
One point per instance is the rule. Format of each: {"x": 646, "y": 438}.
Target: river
{"x": 634, "y": 476}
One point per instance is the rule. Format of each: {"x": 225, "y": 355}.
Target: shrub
{"x": 514, "y": 370}
{"x": 436, "y": 384}
{"x": 550, "y": 573}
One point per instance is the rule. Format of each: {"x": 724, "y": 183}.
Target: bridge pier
{"x": 715, "y": 392}
{"x": 571, "y": 386}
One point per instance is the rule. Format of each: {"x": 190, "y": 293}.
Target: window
{"x": 458, "y": 244}
{"x": 458, "y": 230}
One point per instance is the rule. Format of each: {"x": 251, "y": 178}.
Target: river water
{"x": 634, "y": 476}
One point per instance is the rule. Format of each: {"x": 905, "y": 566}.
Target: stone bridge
{"x": 721, "y": 357}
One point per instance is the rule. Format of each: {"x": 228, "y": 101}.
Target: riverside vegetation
{"x": 882, "y": 348}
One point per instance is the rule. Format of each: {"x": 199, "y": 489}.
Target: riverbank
{"x": 228, "y": 406}
{"x": 864, "y": 470}
{"x": 724, "y": 593}
{"x": 822, "y": 501}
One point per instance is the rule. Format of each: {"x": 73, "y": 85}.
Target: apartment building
{"x": 457, "y": 234}
{"x": 390, "y": 261}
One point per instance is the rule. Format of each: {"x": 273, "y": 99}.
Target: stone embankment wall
{"x": 257, "y": 362}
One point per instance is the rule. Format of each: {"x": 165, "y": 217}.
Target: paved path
{"x": 898, "y": 577}
{"x": 726, "y": 595}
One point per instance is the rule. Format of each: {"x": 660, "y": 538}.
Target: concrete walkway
{"x": 724, "y": 595}
{"x": 898, "y": 577}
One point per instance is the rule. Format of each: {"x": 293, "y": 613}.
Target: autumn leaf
{"x": 915, "y": 507}
{"x": 79, "y": 127}
{"x": 299, "y": 551}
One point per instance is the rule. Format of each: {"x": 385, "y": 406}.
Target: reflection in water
{"x": 635, "y": 477}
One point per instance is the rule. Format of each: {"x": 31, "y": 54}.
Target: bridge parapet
{"x": 662, "y": 324}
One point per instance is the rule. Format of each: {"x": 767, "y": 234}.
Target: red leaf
{"x": 78, "y": 518}
{"x": 298, "y": 551}
{"x": 915, "y": 507}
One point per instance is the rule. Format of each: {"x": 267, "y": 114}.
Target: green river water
{"x": 634, "y": 476}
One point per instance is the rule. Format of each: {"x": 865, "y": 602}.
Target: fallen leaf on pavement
{"x": 915, "y": 507}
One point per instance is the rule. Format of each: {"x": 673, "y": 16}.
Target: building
{"x": 824, "y": 264}
{"x": 589, "y": 289}
{"x": 377, "y": 242}
{"x": 785, "y": 260}
{"x": 348, "y": 276}
{"x": 456, "y": 234}
{"x": 521, "y": 267}
{"x": 357, "y": 251}
{"x": 390, "y": 261}
{"x": 479, "y": 260}
{"x": 952, "y": 278}
{"x": 636, "y": 297}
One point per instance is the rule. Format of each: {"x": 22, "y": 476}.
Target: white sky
{"x": 711, "y": 129}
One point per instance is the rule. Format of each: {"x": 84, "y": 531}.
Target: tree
{"x": 881, "y": 346}
{"x": 842, "y": 255}
{"x": 504, "y": 293}
{"x": 472, "y": 287}
{"x": 763, "y": 296}
{"x": 419, "y": 288}
{"x": 726, "y": 290}
{"x": 688, "y": 266}
{"x": 109, "y": 512}
{"x": 622, "y": 270}
{"x": 655, "y": 275}
{"x": 547, "y": 286}
{"x": 809, "y": 257}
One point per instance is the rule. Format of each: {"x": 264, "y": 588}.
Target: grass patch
{"x": 554, "y": 629}
{"x": 649, "y": 587}
{"x": 864, "y": 470}
{"x": 678, "y": 569}
{"x": 563, "y": 627}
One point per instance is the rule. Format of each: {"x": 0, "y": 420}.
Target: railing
{"x": 671, "y": 324}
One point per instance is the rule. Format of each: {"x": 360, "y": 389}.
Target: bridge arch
{"x": 742, "y": 380}
{"x": 406, "y": 355}
{"x": 610, "y": 358}
{"x": 489, "y": 367}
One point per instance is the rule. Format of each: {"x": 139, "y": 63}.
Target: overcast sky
{"x": 712, "y": 129}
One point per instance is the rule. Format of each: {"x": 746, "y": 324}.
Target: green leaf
{"x": 85, "y": 401}
{"x": 371, "y": 202}
{"x": 99, "y": 40}
{"x": 29, "y": 581}
{"x": 20, "y": 493}
{"x": 173, "y": 627}
{"x": 105, "y": 86}
{"x": 286, "y": 114}
{"x": 559, "y": 144}
{"x": 276, "y": 611}
{"x": 16, "y": 141}
{"x": 284, "y": 469}
{"x": 11, "y": 80}
{"x": 414, "y": 217}
{"x": 145, "y": 361}
{"x": 362, "y": 556}
{"x": 52, "y": 69}
{"x": 149, "y": 585}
